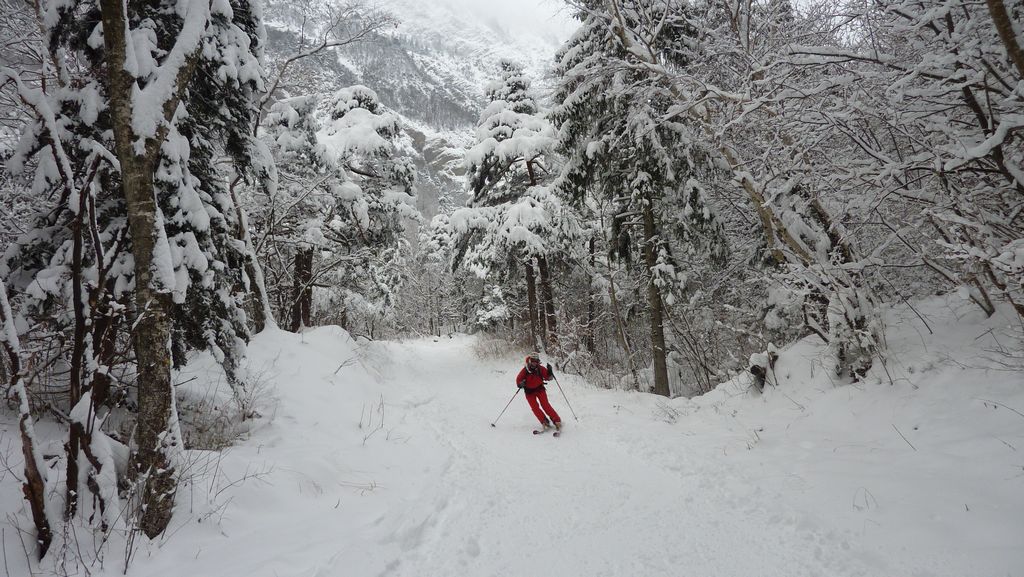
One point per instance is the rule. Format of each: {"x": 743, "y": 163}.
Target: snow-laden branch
{"x": 369, "y": 24}
{"x": 156, "y": 101}
{"x": 34, "y": 486}
{"x": 36, "y": 99}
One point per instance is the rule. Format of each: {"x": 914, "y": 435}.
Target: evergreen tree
{"x": 512, "y": 140}
{"x": 507, "y": 223}
{"x": 642, "y": 168}
{"x": 341, "y": 203}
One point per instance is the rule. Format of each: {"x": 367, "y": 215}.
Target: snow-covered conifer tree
{"x": 621, "y": 149}
{"x": 341, "y": 203}
{"x": 727, "y": 95}
{"x": 508, "y": 223}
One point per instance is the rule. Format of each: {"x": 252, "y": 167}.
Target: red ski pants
{"x": 538, "y": 400}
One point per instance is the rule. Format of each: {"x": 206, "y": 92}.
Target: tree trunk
{"x": 155, "y": 438}
{"x": 655, "y": 306}
{"x": 545, "y": 311}
{"x": 72, "y": 449}
{"x": 34, "y": 487}
{"x": 104, "y": 338}
{"x": 262, "y": 313}
{"x": 591, "y": 303}
{"x": 155, "y": 441}
{"x": 531, "y": 299}
{"x": 620, "y": 323}
{"x": 302, "y": 292}
{"x": 1001, "y": 19}
{"x": 547, "y": 296}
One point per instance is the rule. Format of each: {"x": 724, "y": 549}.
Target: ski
{"x": 543, "y": 431}
{"x": 555, "y": 432}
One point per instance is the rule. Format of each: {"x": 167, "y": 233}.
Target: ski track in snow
{"x": 436, "y": 491}
{"x": 378, "y": 459}
{"x": 588, "y": 503}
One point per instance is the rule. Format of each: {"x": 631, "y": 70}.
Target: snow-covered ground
{"x": 378, "y": 459}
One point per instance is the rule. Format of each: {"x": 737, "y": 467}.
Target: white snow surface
{"x": 922, "y": 476}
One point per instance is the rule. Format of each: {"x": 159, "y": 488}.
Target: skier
{"x": 531, "y": 379}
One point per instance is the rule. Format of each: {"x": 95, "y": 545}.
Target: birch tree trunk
{"x": 152, "y": 337}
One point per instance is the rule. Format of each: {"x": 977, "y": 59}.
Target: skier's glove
{"x": 551, "y": 372}
{"x": 521, "y": 384}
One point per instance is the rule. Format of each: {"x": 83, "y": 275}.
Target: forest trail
{"x": 599, "y": 501}
{"x": 378, "y": 459}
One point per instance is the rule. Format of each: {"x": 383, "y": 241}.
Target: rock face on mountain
{"x": 430, "y": 67}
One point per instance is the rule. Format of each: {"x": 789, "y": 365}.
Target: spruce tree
{"x": 504, "y": 232}
{"x": 644, "y": 169}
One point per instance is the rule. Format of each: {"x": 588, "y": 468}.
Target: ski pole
{"x": 506, "y": 407}
{"x": 565, "y": 397}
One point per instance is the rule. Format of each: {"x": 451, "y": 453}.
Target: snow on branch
{"x": 34, "y": 487}
{"x": 156, "y": 102}
{"x": 36, "y": 99}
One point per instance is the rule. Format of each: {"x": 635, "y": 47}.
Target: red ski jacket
{"x": 533, "y": 380}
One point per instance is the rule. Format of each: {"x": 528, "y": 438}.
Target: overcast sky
{"x": 545, "y": 16}
{"x": 520, "y": 13}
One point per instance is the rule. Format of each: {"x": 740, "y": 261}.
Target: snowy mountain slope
{"x": 432, "y": 66}
{"x": 425, "y": 103}
{"x": 378, "y": 459}
{"x": 529, "y": 32}
{"x": 430, "y": 69}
